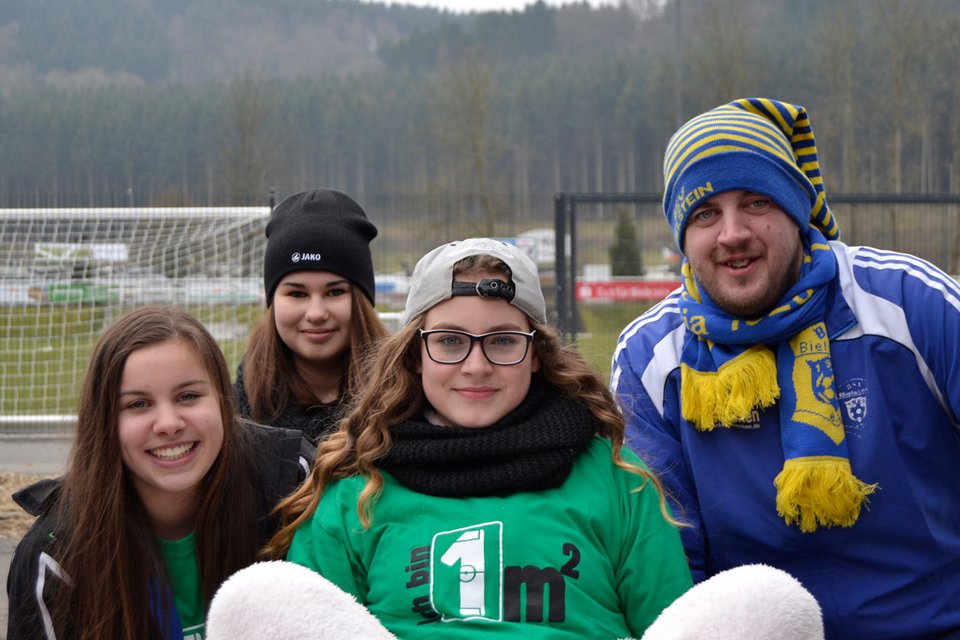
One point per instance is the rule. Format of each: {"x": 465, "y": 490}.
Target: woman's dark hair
{"x": 107, "y": 547}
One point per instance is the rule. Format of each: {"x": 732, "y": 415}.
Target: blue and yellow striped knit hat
{"x": 755, "y": 144}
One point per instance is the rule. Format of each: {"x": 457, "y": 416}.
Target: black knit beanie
{"x": 319, "y": 230}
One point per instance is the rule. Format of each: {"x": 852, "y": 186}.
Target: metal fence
{"x": 922, "y": 225}
{"x": 570, "y": 235}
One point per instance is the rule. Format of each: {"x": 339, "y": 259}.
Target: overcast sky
{"x": 485, "y": 5}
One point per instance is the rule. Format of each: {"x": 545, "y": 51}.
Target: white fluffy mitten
{"x": 279, "y": 599}
{"x": 751, "y": 602}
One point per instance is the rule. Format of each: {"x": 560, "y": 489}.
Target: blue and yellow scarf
{"x": 735, "y": 366}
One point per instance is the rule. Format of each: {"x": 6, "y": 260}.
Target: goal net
{"x": 66, "y": 274}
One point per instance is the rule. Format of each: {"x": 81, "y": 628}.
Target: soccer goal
{"x": 65, "y": 274}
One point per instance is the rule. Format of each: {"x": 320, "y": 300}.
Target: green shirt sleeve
{"x": 653, "y": 570}
{"x": 321, "y": 543}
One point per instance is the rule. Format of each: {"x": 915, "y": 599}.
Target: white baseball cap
{"x": 432, "y": 280}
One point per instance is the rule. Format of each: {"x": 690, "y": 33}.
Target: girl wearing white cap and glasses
{"x": 478, "y": 485}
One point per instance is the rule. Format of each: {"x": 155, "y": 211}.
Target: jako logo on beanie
{"x": 297, "y": 256}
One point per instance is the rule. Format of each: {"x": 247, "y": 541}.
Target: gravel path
{"x": 14, "y": 522}
{"x": 23, "y": 459}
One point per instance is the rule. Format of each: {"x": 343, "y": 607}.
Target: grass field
{"x": 602, "y": 325}
{"x": 44, "y": 349}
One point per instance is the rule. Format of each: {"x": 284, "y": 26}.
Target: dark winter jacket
{"x": 316, "y": 422}
{"x": 281, "y": 459}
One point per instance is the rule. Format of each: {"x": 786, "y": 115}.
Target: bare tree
{"x": 898, "y": 42}
{"x": 246, "y": 151}
{"x": 838, "y": 38}
{"x": 722, "y": 52}
{"x": 465, "y": 96}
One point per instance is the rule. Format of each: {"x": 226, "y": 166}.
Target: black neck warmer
{"x": 530, "y": 449}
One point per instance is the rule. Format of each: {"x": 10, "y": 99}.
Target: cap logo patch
{"x": 686, "y": 200}
{"x": 298, "y": 257}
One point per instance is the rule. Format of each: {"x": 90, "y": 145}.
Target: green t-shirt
{"x": 181, "y": 559}
{"x": 592, "y": 558}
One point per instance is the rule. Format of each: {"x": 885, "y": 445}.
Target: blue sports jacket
{"x": 894, "y": 324}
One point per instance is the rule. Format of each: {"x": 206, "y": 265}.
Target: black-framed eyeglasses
{"x": 451, "y": 346}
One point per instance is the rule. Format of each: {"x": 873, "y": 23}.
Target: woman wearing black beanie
{"x": 303, "y": 360}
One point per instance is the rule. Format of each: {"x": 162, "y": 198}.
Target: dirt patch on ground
{"x": 14, "y": 521}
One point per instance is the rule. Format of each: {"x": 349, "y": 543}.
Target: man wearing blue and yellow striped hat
{"x": 799, "y": 397}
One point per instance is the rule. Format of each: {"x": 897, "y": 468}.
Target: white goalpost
{"x": 65, "y": 274}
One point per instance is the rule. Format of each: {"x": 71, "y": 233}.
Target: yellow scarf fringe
{"x": 820, "y": 490}
{"x": 731, "y": 393}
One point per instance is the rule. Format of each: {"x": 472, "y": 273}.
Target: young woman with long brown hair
{"x": 167, "y": 492}
{"x": 479, "y": 484}
{"x": 303, "y": 359}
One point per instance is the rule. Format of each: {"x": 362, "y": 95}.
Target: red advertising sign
{"x": 638, "y": 290}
